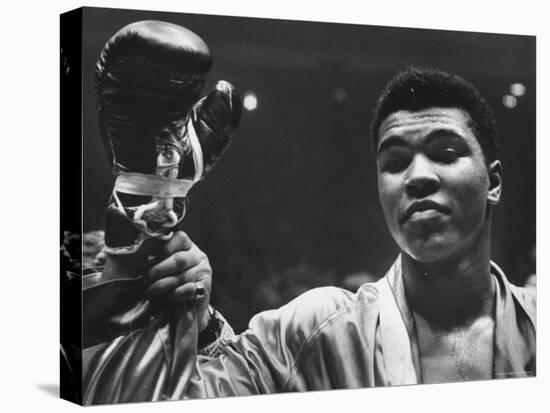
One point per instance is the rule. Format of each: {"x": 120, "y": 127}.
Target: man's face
{"x": 433, "y": 182}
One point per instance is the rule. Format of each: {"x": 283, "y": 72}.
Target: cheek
{"x": 471, "y": 195}
{"x": 388, "y": 194}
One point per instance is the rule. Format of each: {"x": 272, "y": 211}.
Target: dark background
{"x": 293, "y": 204}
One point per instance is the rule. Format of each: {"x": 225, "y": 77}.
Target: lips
{"x": 423, "y": 205}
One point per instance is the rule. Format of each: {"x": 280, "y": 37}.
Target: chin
{"x": 435, "y": 249}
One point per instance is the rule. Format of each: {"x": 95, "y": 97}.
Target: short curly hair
{"x": 421, "y": 88}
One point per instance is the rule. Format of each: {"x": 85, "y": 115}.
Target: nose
{"x": 421, "y": 178}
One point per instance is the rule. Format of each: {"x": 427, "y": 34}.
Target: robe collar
{"x": 514, "y": 349}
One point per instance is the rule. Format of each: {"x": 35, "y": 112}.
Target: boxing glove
{"x": 160, "y": 136}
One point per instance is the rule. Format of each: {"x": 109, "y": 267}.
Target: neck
{"x": 452, "y": 293}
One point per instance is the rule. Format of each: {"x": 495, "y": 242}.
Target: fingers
{"x": 180, "y": 241}
{"x": 162, "y": 286}
{"x": 168, "y": 289}
{"x": 183, "y": 275}
{"x": 189, "y": 291}
{"x": 178, "y": 262}
{"x": 198, "y": 276}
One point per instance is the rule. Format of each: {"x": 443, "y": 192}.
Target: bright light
{"x": 250, "y": 101}
{"x": 517, "y": 89}
{"x": 340, "y": 95}
{"x": 509, "y": 101}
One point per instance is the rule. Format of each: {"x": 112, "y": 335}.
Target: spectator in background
{"x": 93, "y": 244}
{"x": 531, "y": 281}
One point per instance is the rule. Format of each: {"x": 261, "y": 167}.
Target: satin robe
{"x": 327, "y": 338}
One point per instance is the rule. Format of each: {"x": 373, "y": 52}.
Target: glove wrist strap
{"x": 134, "y": 183}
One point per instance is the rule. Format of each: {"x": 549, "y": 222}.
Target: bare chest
{"x": 458, "y": 355}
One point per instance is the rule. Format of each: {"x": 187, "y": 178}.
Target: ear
{"x": 495, "y": 182}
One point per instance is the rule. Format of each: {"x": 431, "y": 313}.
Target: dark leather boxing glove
{"x": 148, "y": 75}
{"x": 160, "y": 138}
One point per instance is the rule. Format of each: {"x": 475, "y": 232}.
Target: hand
{"x": 180, "y": 272}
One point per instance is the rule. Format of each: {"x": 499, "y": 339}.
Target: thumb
{"x": 160, "y": 250}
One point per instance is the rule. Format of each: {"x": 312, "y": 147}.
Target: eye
{"x": 446, "y": 155}
{"x": 394, "y": 165}
{"x": 446, "y": 151}
{"x": 395, "y": 160}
